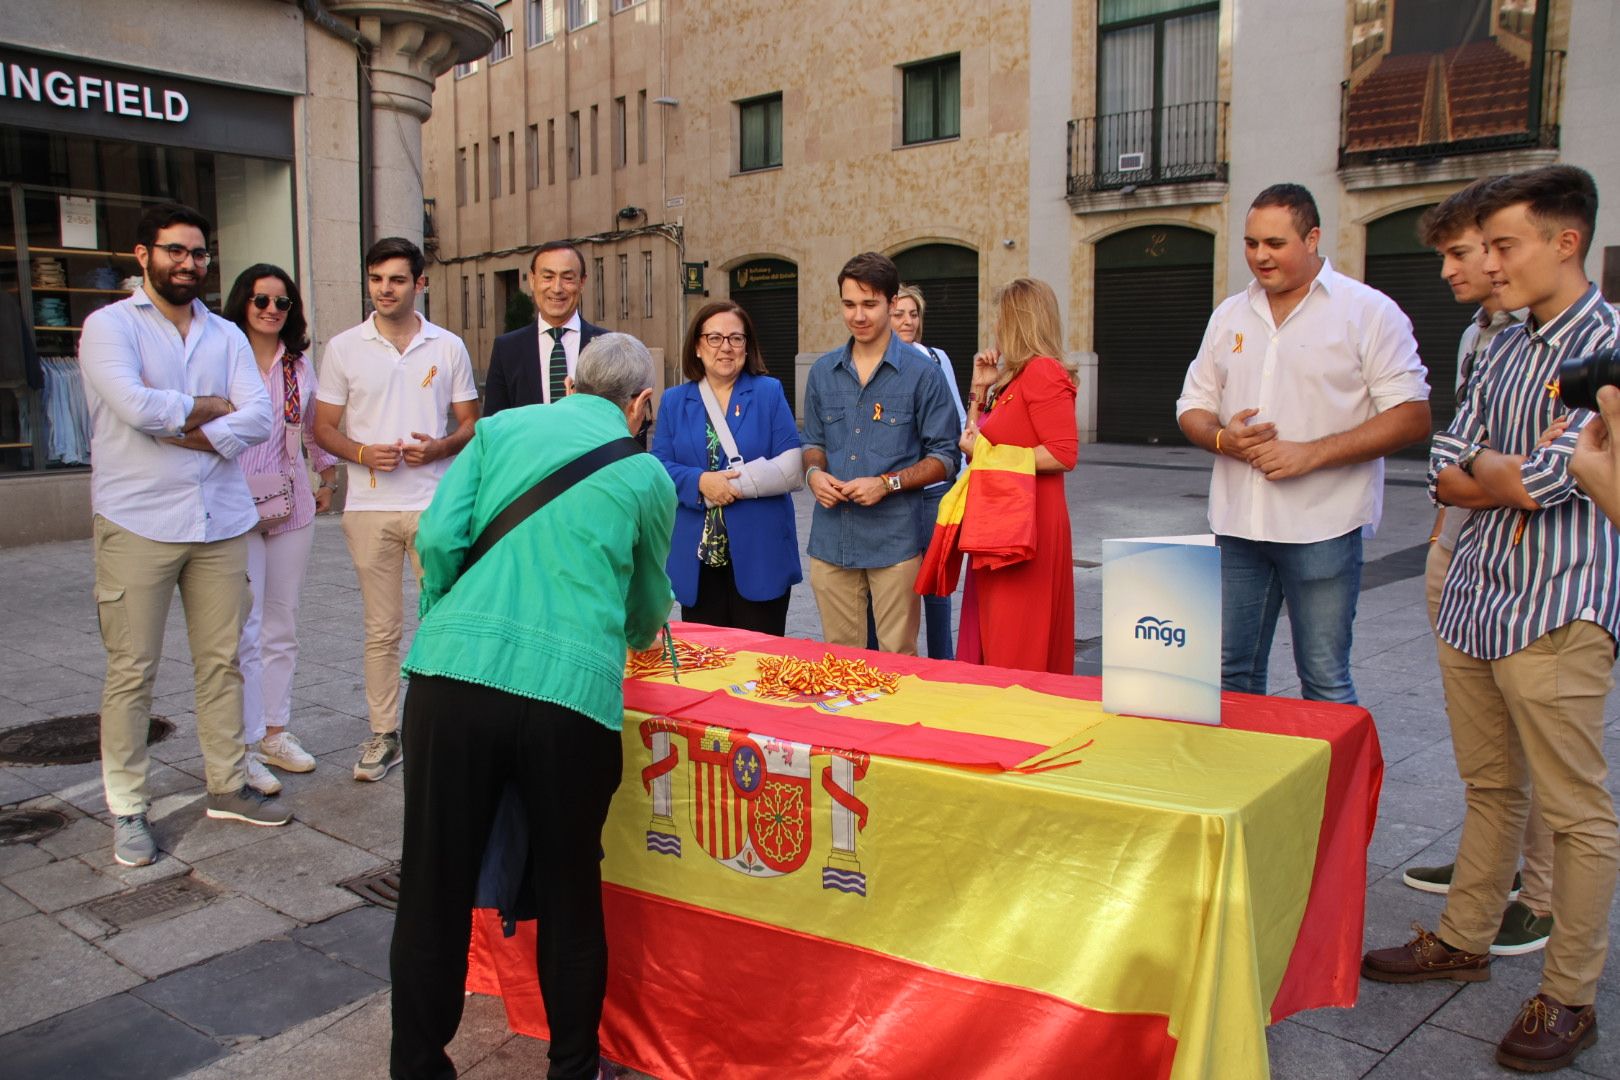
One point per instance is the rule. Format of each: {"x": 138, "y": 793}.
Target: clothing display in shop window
{"x": 19, "y": 358}
{"x": 67, "y": 419}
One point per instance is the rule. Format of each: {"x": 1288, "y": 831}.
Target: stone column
{"x": 411, "y": 43}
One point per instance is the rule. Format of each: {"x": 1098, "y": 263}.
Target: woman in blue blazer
{"x": 734, "y": 555}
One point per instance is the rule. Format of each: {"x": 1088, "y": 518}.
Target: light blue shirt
{"x": 141, "y": 381}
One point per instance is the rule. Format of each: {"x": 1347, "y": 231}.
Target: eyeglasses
{"x": 262, "y": 301}
{"x": 714, "y": 341}
{"x": 177, "y": 253}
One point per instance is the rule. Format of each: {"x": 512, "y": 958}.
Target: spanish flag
{"x": 979, "y": 873}
{"x": 989, "y": 514}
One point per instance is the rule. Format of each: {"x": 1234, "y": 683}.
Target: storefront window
{"x": 68, "y": 211}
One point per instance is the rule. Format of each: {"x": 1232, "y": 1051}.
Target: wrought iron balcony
{"x": 1426, "y": 108}
{"x": 1176, "y": 144}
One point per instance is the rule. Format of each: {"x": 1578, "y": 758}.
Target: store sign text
{"x": 91, "y": 91}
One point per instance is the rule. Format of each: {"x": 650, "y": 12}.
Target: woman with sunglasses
{"x": 734, "y": 554}
{"x": 265, "y": 303}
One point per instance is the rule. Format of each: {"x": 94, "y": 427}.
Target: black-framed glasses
{"x": 177, "y": 253}
{"x": 263, "y": 300}
{"x": 714, "y": 341}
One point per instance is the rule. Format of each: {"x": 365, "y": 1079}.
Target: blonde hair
{"x": 1027, "y": 325}
{"x": 910, "y": 292}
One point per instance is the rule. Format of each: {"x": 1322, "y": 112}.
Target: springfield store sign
{"x": 102, "y": 100}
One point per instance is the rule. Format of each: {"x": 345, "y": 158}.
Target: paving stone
{"x": 1437, "y": 1054}
{"x": 1437, "y": 804}
{"x": 184, "y": 829}
{"x": 1394, "y": 842}
{"x": 34, "y": 684}
{"x": 15, "y": 787}
{"x": 1302, "y": 1053}
{"x": 15, "y": 858}
{"x": 261, "y": 990}
{"x": 63, "y": 884}
{"x": 81, "y": 834}
{"x": 359, "y": 937}
{"x": 45, "y": 970}
{"x": 167, "y": 866}
{"x": 295, "y": 871}
{"x": 155, "y": 949}
{"x": 367, "y": 815}
{"x": 373, "y": 1024}
{"x": 13, "y": 906}
{"x": 115, "y": 1038}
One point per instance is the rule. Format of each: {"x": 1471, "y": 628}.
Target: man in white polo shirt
{"x": 1305, "y": 380}
{"x": 396, "y": 378}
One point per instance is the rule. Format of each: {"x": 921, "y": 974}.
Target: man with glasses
{"x": 174, "y": 397}
{"x": 395, "y": 377}
{"x": 530, "y": 366}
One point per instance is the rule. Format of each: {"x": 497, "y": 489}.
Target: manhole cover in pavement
{"x": 380, "y": 886}
{"x": 159, "y": 900}
{"x": 26, "y": 826}
{"x": 65, "y": 740}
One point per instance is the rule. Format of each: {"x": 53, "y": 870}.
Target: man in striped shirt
{"x": 1527, "y": 626}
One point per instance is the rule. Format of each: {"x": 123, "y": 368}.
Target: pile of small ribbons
{"x": 789, "y": 676}
{"x": 655, "y": 662}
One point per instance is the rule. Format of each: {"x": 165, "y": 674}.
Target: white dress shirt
{"x": 570, "y": 351}
{"x": 1342, "y": 356}
{"x": 387, "y": 396}
{"x": 141, "y": 381}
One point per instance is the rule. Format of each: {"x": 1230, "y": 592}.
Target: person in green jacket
{"x": 517, "y": 678}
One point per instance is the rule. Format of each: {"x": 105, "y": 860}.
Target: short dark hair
{"x": 692, "y": 365}
{"x": 1297, "y": 200}
{"x": 1452, "y": 217}
{"x": 876, "y": 272}
{"x": 157, "y": 218}
{"x": 397, "y": 247}
{"x": 1555, "y": 196}
{"x": 559, "y": 245}
{"x": 295, "y": 331}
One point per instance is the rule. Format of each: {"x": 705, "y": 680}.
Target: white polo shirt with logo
{"x": 386, "y": 395}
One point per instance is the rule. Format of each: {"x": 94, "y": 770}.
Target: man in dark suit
{"x": 528, "y": 366}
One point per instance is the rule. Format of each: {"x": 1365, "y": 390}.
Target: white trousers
{"x": 268, "y": 653}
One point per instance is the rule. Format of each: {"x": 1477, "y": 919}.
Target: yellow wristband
{"x": 1218, "y": 434}
{"x": 362, "y": 457}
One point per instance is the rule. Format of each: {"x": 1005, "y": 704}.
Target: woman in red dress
{"x": 1023, "y": 395}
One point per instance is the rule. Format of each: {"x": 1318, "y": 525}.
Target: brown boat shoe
{"x": 1547, "y": 1035}
{"x": 1425, "y": 957}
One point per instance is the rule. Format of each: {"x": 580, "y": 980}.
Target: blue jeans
{"x": 936, "y": 609}
{"x": 1319, "y": 582}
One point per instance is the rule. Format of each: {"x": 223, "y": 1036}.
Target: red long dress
{"x": 1026, "y": 611}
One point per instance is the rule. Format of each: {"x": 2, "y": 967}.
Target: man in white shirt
{"x": 1304, "y": 381}
{"x": 532, "y": 364}
{"x": 396, "y": 378}
{"x": 174, "y": 397}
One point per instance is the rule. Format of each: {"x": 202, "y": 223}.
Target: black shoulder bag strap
{"x": 558, "y": 481}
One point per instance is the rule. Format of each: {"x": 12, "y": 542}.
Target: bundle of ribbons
{"x": 988, "y": 514}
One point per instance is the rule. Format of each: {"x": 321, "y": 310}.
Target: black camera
{"x": 1580, "y": 376}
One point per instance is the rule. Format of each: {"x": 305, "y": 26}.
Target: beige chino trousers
{"x": 380, "y": 541}
{"x": 841, "y": 594}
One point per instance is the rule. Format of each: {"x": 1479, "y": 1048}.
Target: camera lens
{"x": 1580, "y": 376}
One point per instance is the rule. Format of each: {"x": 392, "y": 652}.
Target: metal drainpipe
{"x": 323, "y": 18}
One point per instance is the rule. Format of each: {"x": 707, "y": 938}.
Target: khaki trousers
{"x": 1538, "y": 839}
{"x": 841, "y": 594}
{"x": 379, "y": 543}
{"x": 1536, "y": 717}
{"x": 135, "y": 582}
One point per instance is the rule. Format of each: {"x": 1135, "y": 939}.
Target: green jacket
{"x": 548, "y": 611}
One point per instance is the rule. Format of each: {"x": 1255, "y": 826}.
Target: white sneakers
{"x": 283, "y": 751}
{"x": 259, "y": 778}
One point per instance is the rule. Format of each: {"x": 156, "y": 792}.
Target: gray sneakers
{"x": 132, "y": 840}
{"x": 247, "y": 805}
{"x": 378, "y": 754}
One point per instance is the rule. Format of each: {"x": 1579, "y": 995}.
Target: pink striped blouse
{"x": 274, "y": 456}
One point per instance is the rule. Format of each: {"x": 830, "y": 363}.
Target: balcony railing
{"x": 1177, "y": 144}
{"x": 1434, "y": 138}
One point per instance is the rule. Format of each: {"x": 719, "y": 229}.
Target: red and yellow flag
{"x": 967, "y": 871}
{"x": 989, "y": 513}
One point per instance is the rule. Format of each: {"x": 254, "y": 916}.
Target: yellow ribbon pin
{"x": 433, "y": 373}
{"x": 1552, "y": 389}
{"x": 877, "y": 411}
{"x": 1237, "y": 341}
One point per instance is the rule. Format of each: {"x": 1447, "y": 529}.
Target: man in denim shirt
{"x": 879, "y": 427}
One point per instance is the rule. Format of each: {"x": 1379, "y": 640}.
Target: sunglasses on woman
{"x": 262, "y": 301}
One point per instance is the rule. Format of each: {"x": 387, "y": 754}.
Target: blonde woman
{"x": 1023, "y": 393}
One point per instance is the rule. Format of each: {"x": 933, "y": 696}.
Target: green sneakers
{"x": 1437, "y": 879}
{"x": 1523, "y": 931}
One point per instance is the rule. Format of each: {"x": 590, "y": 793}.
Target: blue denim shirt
{"x": 902, "y": 415}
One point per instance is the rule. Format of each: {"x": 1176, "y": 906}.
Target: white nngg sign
{"x": 92, "y": 91}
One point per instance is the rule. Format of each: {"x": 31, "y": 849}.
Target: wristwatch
{"x": 328, "y": 486}
{"x": 891, "y": 480}
{"x": 1471, "y": 455}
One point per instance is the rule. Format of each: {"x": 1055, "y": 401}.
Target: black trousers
{"x": 463, "y": 743}
{"x": 720, "y": 604}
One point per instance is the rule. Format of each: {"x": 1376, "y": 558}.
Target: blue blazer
{"x": 513, "y": 378}
{"x": 763, "y": 533}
